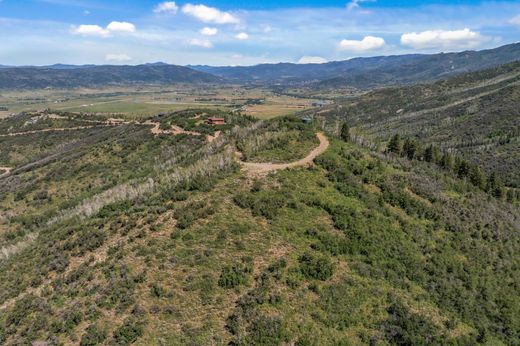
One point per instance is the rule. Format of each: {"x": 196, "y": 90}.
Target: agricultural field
{"x": 135, "y": 103}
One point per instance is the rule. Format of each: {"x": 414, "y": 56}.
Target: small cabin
{"x": 216, "y": 121}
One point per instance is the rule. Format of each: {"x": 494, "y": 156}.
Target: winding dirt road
{"x": 260, "y": 169}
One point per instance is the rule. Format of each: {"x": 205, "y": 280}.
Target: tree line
{"x": 460, "y": 167}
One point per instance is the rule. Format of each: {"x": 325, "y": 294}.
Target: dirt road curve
{"x": 211, "y": 138}
{"x": 264, "y": 168}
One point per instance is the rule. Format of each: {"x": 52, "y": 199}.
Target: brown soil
{"x": 261, "y": 169}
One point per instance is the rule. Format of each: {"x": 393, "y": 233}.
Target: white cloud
{"x": 90, "y": 30}
{"x": 122, "y": 27}
{"x": 201, "y": 43}
{"x": 209, "y": 14}
{"x": 312, "y": 60}
{"x": 242, "y": 36}
{"x": 118, "y": 57}
{"x": 209, "y": 31}
{"x": 169, "y": 7}
{"x": 515, "y": 20}
{"x": 457, "y": 39}
{"x": 96, "y": 30}
{"x": 366, "y": 44}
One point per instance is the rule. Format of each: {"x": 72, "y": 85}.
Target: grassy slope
{"x": 359, "y": 249}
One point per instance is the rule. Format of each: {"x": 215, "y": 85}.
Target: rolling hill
{"x": 475, "y": 115}
{"x": 112, "y": 235}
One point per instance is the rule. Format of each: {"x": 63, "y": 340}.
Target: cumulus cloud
{"x": 242, "y": 36}
{"x": 118, "y": 57}
{"x": 201, "y": 43}
{"x": 515, "y": 20}
{"x": 90, "y": 30}
{"x": 457, "y": 39}
{"x": 209, "y": 31}
{"x": 209, "y": 14}
{"x": 312, "y": 60}
{"x": 123, "y": 27}
{"x": 96, "y": 30}
{"x": 168, "y": 7}
{"x": 368, "y": 43}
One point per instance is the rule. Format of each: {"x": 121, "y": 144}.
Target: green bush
{"x": 93, "y": 336}
{"x": 316, "y": 267}
{"x": 128, "y": 333}
{"x": 233, "y": 276}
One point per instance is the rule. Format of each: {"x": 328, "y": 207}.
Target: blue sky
{"x": 234, "y": 32}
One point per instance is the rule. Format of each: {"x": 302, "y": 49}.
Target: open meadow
{"x": 135, "y": 103}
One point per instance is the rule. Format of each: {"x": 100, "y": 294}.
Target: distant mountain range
{"x": 371, "y": 72}
{"x": 358, "y": 72}
{"x": 69, "y": 76}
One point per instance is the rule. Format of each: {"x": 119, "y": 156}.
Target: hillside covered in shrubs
{"x": 117, "y": 236}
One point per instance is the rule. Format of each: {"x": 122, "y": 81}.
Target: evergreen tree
{"x": 432, "y": 154}
{"x": 462, "y": 168}
{"x": 477, "y": 177}
{"x": 345, "y": 132}
{"x": 495, "y": 186}
{"x": 447, "y": 161}
{"x": 395, "y": 145}
{"x": 411, "y": 149}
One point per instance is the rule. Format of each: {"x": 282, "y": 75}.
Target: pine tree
{"x": 395, "y": 145}
{"x": 462, "y": 168}
{"x": 477, "y": 177}
{"x": 447, "y": 161}
{"x": 432, "y": 154}
{"x": 345, "y": 132}
{"x": 411, "y": 149}
{"x": 495, "y": 186}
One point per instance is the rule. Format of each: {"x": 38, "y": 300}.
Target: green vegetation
{"x": 461, "y": 168}
{"x": 118, "y": 236}
{"x": 278, "y": 140}
{"x": 474, "y": 115}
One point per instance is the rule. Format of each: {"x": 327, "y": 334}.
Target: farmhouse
{"x": 216, "y": 121}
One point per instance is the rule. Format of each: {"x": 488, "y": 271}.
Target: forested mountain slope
{"x": 476, "y": 115}
{"x": 117, "y": 236}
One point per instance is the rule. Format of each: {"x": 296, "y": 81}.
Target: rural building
{"x": 216, "y": 121}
